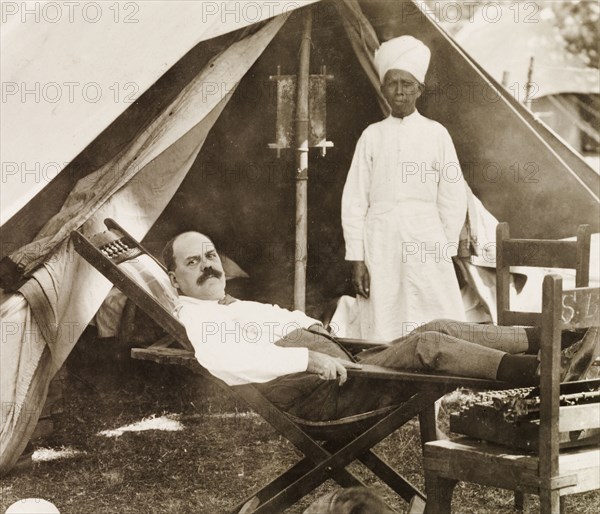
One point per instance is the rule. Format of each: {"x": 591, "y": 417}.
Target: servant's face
{"x": 198, "y": 269}
{"x": 401, "y": 89}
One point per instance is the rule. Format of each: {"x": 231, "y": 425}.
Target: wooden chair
{"x": 547, "y": 473}
{"x": 539, "y": 253}
{"x": 345, "y": 440}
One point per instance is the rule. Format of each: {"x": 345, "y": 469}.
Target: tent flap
{"x": 193, "y": 105}
{"x": 65, "y": 292}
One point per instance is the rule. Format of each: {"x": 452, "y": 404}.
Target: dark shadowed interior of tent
{"x": 241, "y": 194}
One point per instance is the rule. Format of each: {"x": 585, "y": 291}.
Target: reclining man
{"x": 295, "y": 362}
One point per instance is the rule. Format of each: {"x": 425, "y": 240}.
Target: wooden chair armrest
{"x": 171, "y": 356}
{"x": 433, "y": 378}
{"x": 179, "y": 356}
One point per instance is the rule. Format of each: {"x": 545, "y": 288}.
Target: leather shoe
{"x": 577, "y": 359}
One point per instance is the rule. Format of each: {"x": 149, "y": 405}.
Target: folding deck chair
{"x": 137, "y": 274}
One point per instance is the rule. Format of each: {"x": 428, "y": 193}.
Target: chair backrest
{"x": 540, "y": 253}
{"x": 561, "y": 310}
{"x": 128, "y": 265}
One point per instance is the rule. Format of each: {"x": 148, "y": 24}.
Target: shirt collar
{"x": 192, "y": 300}
{"x": 411, "y": 117}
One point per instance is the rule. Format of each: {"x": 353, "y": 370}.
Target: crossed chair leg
{"x": 330, "y": 460}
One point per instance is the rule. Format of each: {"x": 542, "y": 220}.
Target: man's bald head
{"x": 168, "y": 254}
{"x": 194, "y": 266}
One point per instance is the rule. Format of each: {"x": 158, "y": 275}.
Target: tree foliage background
{"x": 577, "y": 21}
{"x": 578, "y": 25}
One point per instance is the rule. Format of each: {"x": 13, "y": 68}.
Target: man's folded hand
{"x": 329, "y": 368}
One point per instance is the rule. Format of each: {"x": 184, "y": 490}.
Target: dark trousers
{"x": 457, "y": 348}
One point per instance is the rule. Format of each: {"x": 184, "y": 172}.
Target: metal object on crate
{"x": 511, "y": 417}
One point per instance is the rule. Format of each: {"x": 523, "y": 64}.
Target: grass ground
{"x": 221, "y": 455}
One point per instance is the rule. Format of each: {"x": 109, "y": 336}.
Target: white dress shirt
{"x": 235, "y": 342}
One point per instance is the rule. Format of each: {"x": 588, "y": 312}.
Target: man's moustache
{"x": 208, "y": 273}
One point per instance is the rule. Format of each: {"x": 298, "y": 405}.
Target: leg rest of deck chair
{"x": 372, "y": 461}
{"x": 382, "y": 470}
{"x": 314, "y": 452}
{"x": 259, "y": 501}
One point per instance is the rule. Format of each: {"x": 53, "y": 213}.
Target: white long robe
{"x": 403, "y": 207}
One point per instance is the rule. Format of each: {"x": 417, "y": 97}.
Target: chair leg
{"x": 390, "y": 476}
{"x": 416, "y": 506}
{"x": 439, "y": 493}
{"x": 250, "y": 503}
{"x": 520, "y": 501}
{"x": 428, "y": 424}
{"x": 550, "y": 501}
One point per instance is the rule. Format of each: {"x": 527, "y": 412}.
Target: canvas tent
{"x": 191, "y": 152}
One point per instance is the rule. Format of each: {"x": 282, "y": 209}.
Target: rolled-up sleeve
{"x": 452, "y": 192}
{"x": 355, "y": 200}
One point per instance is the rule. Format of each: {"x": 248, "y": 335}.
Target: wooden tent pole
{"x": 302, "y": 165}
{"x": 529, "y": 84}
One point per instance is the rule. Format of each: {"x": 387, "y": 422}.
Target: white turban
{"x": 403, "y": 53}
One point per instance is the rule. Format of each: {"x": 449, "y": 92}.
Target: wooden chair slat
{"x": 539, "y": 253}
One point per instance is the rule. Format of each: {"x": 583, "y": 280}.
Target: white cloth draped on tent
{"x": 64, "y": 293}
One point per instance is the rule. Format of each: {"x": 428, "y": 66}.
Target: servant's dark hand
{"x": 361, "y": 280}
